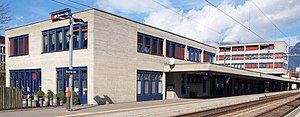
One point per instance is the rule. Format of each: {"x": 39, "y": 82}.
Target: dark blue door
{"x": 79, "y": 82}
{"x": 149, "y": 85}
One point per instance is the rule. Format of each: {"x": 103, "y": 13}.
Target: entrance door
{"x": 149, "y": 85}
{"x": 79, "y": 82}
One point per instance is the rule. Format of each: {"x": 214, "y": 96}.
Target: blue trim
{"x": 48, "y": 41}
{"x": 63, "y": 38}
{"x": 18, "y": 52}
{"x": 56, "y": 41}
{"x": 80, "y": 37}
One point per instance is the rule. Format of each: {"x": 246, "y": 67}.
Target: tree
{"x": 4, "y": 15}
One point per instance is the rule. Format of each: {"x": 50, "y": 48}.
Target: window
{"x": 266, "y": 56}
{"x": 251, "y": 47}
{"x": 194, "y": 54}
{"x": 267, "y": 47}
{"x": 237, "y": 57}
{"x": 149, "y": 44}
{"x": 238, "y": 65}
{"x": 18, "y": 45}
{"x": 238, "y": 48}
{"x": 278, "y": 65}
{"x": 265, "y": 65}
{"x": 209, "y": 57}
{"x": 58, "y": 39}
{"x": 251, "y": 56}
{"x": 224, "y": 49}
{"x": 278, "y": 55}
{"x": 27, "y": 80}
{"x": 175, "y": 50}
{"x": 251, "y": 65}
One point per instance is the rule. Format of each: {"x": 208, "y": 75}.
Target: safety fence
{"x": 10, "y": 98}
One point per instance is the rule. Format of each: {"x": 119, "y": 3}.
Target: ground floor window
{"x": 149, "y": 85}
{"x": 28, "y": 80}
{"x": 79, "y": 82}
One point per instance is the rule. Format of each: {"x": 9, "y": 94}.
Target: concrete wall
{"x": 111, "y": 57}
{"x": 48, "y": 62}
{"x": 117, "y": 59}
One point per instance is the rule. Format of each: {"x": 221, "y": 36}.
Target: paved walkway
{"x": 146, "y": 108}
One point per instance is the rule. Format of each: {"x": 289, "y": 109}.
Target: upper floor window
{"x": 208, "y": 57}
{"x": 267, "y": 47}
{"x": 149, "y": 44}
{"x": 194, "y": 54}
{"x": 265, "y": 65}
{"x": 237, "y": 57}
{"x": 278, "y": 55}
{"x": 224, "y": 49}
{"x": 266, "y": 56}
{"x": 251, "y": 56}
{"x": 18, "y": 46}
{"x": 251, "y": 47}
{"x": 58, "y": 39}
{"x": 238, "y": 48}
{"x": 175, "y": 50}
{"x": 238, "y": 65}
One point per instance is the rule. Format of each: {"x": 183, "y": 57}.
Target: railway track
{"x": 274, "y": 106}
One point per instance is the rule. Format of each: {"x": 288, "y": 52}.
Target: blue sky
{"x": 201, "y": 16}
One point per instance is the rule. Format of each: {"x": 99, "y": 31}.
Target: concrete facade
{"x": 111, "y": 58}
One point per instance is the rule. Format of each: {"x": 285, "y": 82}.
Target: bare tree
{"x": 4, "y": 15}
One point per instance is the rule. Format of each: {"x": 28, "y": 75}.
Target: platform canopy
{"x": 209, "y": 67}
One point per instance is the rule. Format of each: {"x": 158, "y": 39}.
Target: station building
{"x": 267, "y": 57}
{"x": 122, "y": 60}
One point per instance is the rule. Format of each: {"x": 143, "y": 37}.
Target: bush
{"x": 50, "y": 94}
{"x": 75, "y": 98}
{"x": 61, "y": 96}
{"x": 40, "y": 93}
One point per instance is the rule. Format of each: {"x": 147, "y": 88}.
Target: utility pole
{"x": 71, "y": 62}
{"x": 63, "y": 15}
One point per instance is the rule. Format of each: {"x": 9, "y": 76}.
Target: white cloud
{"x": 284, "y": 13}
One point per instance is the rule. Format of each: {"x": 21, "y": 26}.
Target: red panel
{"x": 22, "y": 46}
{"x": 11, "y": 47}
{"x": 183, "y": 52}
{"x": 177, "y": 52}
{"x": 27, "y": 45}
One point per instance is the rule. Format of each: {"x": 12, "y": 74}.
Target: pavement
{"x": 147, "y": 108}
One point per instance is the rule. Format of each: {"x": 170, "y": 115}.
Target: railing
{"x": 10, "y": 98}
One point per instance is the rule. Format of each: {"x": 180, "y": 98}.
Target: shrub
{"x": 40, "y": 93}
{"x": 61, "y": 96}
{"x": 50, "y": 94}
{"x": 75, "y": 98}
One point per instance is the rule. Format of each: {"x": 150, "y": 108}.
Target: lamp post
{"x": 62, "y": 15}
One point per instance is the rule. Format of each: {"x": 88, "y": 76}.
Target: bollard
{"x": 33, "y": 104}
{"x": 51, "y": 102}
{"x": 29, "y": 102}
{"x": 40, "y": 101}
{"x": 46, "y": 101}
{"x": 24, "y": 103}
{"x": 54, "y": 100}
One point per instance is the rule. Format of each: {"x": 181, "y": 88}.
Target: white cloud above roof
{"x": 284, "y": 13}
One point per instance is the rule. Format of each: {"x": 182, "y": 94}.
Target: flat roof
{"x": 198, "y": 67}
{"x": 121, "y": 18}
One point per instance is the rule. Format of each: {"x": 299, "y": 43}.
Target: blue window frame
{"x": 149, "y": 85}
{"x": 208, "y": 57}
{"x": 57, "y": 39}
{"x": 194, "y": 54}
{"x": 28, "y": 80}
{"x": 175, "y": 50}
{"x": 79, "y": 82}
{"x": 149, "y": 44}
{"x": 18, "y": 45}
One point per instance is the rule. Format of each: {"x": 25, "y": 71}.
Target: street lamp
{"x": 63, "y": 15}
